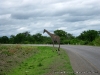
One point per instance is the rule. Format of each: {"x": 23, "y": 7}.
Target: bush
{"x": 26, "y": 42}
{"x": 97, "y": 41}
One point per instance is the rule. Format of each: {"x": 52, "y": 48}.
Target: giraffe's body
{"x": 54, "y": 38}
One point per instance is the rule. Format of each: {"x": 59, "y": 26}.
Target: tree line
{"x": 89, "y": 37}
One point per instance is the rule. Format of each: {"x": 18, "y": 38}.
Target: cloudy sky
{"x": 72, "y": 16}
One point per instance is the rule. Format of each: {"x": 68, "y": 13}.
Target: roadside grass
{"x": 33, "y": 60}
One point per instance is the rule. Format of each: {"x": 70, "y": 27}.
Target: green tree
{"x": 70, "y": 36}
{"x": 0, "y": 40}
{"x": 47, "y": 40}
{"x": 89, "y": 35}
{"x": 97, "y": 41}
{"x": 19, "y": 38}
{"x": 38, "y": 38}
{"x": 64, "y": 36}
{"x": 61, "y": 33}
{"x": 24, "y": 37}
{"x": 99, "y": 33}
{"x": 27, "y": 38}
{"x": 12, "y": 39}
{"x": 4, "y": 39}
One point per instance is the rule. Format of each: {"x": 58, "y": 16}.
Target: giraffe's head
{"x": 44, "y": 31}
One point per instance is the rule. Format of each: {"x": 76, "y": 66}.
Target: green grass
{"x": 36, "y": 60}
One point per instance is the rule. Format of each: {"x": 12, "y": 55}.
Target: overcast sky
{"x": 72, "y": 16}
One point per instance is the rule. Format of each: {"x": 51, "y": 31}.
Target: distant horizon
{"x": 43, "y": 34}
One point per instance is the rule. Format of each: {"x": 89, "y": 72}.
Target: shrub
{"x": 97, "y": 41}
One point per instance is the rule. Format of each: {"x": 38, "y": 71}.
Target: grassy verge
{"x": 33, "y": 60}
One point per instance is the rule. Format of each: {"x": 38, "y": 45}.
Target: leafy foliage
{"x": 4, "y": 39}
{"x": 65, "y": 37}
{"x": 97, "y": 41}
{"x": 89, "y": 37}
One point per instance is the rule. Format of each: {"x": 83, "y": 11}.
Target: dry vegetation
{"x": 11, "y": 56}
{"x": 33, "y": 60}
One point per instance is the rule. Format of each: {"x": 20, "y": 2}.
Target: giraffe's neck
{"x": 48, "y": 32}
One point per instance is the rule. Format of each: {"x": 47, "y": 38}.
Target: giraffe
{"x": 54, "y": 38}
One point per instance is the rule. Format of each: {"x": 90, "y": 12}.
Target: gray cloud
{"x": 73, "y": 16}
